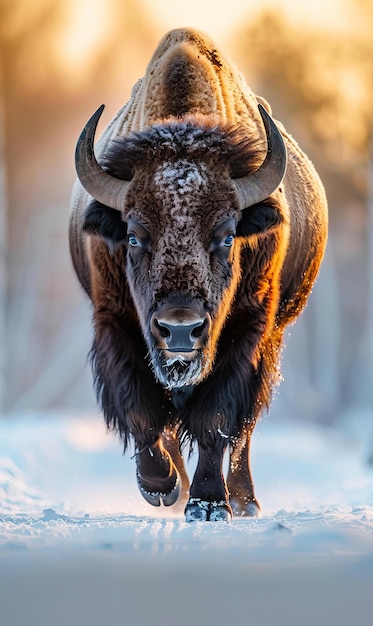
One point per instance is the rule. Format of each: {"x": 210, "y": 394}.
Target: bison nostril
{"x": 162, "y": 329}
{"x": 197, "y": 331}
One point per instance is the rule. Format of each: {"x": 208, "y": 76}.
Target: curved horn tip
{"x": 87, "y": 134}
{"x": 268, "y": 121}
{"x": 274, "y": 137}
{"x": 97, "y": 114}
{"x": 93, "y": 121}
{"x": 107, "y": 189}
{"x": 264, "y": 114}
{"x": 257, "y": 186}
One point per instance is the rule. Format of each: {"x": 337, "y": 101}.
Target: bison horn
{"x": 257, "y": 186}
{"x": 102, "y": 186}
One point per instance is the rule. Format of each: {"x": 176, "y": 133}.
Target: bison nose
{"x": 180, "y": 336}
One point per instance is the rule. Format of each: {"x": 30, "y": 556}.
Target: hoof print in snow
{"x": 166, "y": 493}
{"x": 282, "y": 528}
{"x": 198, "y": 510}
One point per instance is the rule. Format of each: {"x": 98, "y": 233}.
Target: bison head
{"x": 180, "y": 198}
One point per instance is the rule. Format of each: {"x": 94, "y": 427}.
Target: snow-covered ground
{"x": 78, "y": 544}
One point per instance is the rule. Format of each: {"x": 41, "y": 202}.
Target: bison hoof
{"x": 198, "y": 510}
{"x": 158, "y": 494}
{"x": 245, "y": 509}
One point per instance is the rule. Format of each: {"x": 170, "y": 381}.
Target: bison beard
{"x": 176, "y": 372}
{"x": 196, "y": 250}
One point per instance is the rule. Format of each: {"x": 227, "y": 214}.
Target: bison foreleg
{"x": 157, "y": 477}
{"x": 208, "y": 493}
{"x": 240, "y": 483}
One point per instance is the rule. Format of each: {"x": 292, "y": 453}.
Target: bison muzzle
{"x": 197, "y": 232}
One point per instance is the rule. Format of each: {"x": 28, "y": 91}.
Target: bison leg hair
{"x": 170, "y": 442}
{"x": 157, "y": 477}
{"x": 208, "y": 493}
{"x": 239, "y": 480}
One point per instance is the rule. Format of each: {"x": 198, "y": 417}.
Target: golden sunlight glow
{"x": 218, "y": 21}
{"x": 88, "y": 25}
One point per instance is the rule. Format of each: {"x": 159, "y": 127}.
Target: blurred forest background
{"x": 60, "y": 59}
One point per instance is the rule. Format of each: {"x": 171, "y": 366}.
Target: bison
{"x": 197, "y": 234}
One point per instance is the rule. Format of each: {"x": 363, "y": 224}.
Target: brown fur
{"x": 190, "y": 127}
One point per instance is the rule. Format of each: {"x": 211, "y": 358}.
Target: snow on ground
{"x": 78, "y": 544}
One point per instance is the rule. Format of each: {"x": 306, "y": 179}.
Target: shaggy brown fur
{"x": 191, "y": 126}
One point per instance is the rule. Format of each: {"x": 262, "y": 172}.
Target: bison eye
{"x": 138, "y": 237}
{"x": 223, "y": 237}
{"x": 228, "y": 241}
{"x": 133, "y": 241}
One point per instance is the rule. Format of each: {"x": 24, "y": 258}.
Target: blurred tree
{"x": 321, "y": 81}
{"x": 18, "y": 56}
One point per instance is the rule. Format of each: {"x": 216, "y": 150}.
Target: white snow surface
{"x": 79, "y": 545}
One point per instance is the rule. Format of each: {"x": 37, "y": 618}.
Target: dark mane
{"x": 193, "y": 139}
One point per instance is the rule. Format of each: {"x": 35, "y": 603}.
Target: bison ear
{"x": 105, "y": 222}
{"x": 258, "y": 219}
